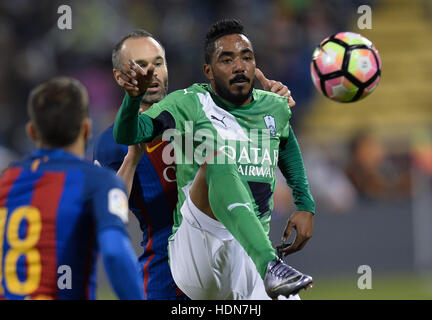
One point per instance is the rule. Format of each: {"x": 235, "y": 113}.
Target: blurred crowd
{"x": 283, "y": 32}
{"x": 362, "y": 172}
{"x": 33, "y": 48}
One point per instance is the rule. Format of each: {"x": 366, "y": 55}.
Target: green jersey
{"x": 242, "y": 145}
{"x": 248, "y": 135}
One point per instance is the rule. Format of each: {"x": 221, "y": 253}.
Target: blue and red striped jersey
{"x": 53, "y": 205}
{"x": 152, "y": 200}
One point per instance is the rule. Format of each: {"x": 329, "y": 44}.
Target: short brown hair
{"x": 139, "y": 33}
{"x": 57, "y": 109}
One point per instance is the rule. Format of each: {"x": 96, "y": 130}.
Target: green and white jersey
{"x": 248, "y": 136}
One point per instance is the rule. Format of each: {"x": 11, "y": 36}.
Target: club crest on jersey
{"x": 270, "y": 124}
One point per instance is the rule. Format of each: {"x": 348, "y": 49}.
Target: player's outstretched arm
{"x": 130, "y": 127}
{"x": 292, "y": 167}
{"x": 120, "y": 264}
{"x": 109, "y": 206}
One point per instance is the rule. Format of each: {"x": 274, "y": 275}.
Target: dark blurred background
{"x": 369, "y": 162}
{"x": 284, "y": 34}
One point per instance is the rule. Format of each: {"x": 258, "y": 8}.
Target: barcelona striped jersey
{"x": 52, "y": 207}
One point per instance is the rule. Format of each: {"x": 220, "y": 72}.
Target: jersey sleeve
{"x": 109, "y": 203}
{"x": 110, "y": 208}
{"x": 130, "y": 128}
{"x": 121, "y": 264}
{"x": 292, "y": 167}
{"x": 174, "y": 111}
{"x": 285, "y": 118}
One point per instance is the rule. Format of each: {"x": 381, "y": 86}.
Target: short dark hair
{"x": 220, "y": 29}
{"x": 57, "y": 109}
{"x": 139, "y": 33}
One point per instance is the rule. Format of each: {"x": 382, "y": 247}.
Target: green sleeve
{"x": 292, "y": 167}
{"x": 177, "y": 110}
{"x": 130, "y": 127}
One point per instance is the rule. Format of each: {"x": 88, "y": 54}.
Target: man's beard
{"x": 225, "y": 93}
{"x": 149, "y": 99}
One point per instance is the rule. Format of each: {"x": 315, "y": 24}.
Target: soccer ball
{"x": 346, "y": 67}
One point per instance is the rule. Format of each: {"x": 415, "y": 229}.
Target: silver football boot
{"x": 281, "y": 279}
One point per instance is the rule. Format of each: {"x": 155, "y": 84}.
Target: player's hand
{"x": 302, "y": 222}
{"x": 135, "y": 152}
{"x": 274, "y": 86}
{"x": 134, "y": 79}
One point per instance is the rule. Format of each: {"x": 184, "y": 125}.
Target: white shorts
{"x": 208, "y": 263}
